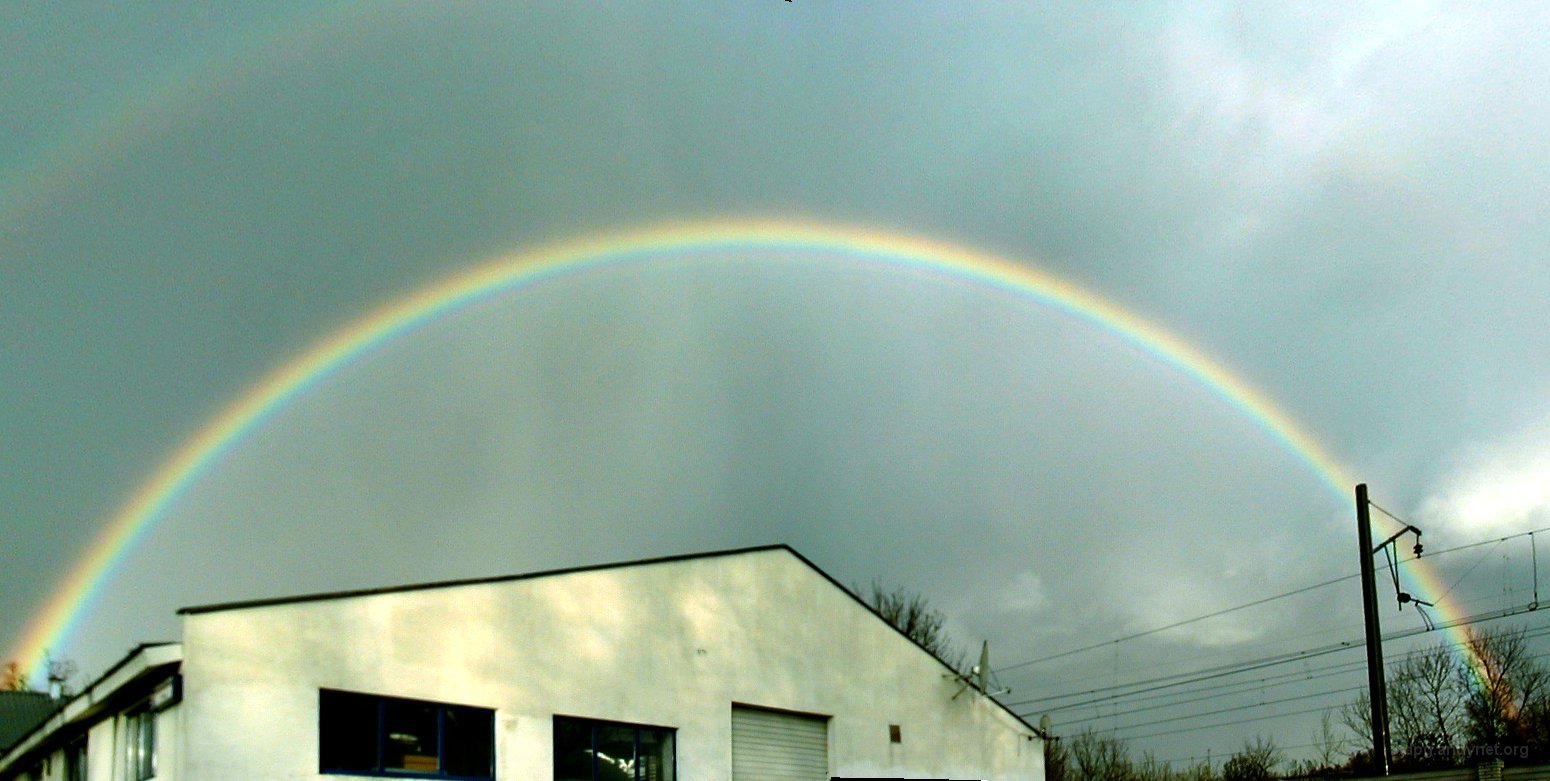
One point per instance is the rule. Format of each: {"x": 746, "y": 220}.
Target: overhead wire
{"x": 1164, "y": 691}
{"x": 1237, "y": 688}
{"x": 1176, "y": 624}
{"x": 1379, "y": 508}
{"x": 1159, "y": 683}
{"x": 1268, "y": 718}
{"x": 1165, "y": 682}
{"x": 1236, "y": 708}
{"x": 1225, "y": 724}
{"x": 1323, "y": 692}
{"x": 1254, "y": 603}
{"x": 1472, "y": 567}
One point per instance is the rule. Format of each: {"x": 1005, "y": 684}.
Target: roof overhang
{"x": 135, "y": 677}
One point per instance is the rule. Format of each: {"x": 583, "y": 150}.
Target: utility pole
{"x": 1375, "y": 688}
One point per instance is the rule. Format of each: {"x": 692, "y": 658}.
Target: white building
{"x": 746, "y": 664}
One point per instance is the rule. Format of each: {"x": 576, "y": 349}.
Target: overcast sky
{"x": 1343, "y": 203}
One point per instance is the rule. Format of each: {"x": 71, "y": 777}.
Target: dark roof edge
{"x": 945, "y": 665}
{"x": 87, "y": 690}
{"x": 367, "y": 592}
{"x": 121, "y": 664}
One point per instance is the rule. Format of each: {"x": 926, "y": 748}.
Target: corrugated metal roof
{"x": 20, "y": 712}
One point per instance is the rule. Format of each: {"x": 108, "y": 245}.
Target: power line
{"x": 1272, "y": 681}
{"x": 1072, "y": 722}
{"x": 1206, "y": 699}
{"x": 1379, "y": 508}
{"x": 1236, "y": 708}
{"x": 1357, "y": 625}
{"x": 1167, "y": 681}
{"x": 1175, "y": 625}
{"x": 1226, "y": 724}
{"x": 1472, "y": 567}
{"x": 1255, "y": 603}
{"x": 1264, "y": 683}
{"x": 1214, "y": 755}
{"x": 1182, "y": 679}
{"x": 1538, "y": 633}
{"x": 1325, "y": 693}
{"x": 1239, "y": 692}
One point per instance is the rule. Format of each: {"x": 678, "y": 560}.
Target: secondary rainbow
{"x": 73, "y": 154}
{"x": 52, "y": 625}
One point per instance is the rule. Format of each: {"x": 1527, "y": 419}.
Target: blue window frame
{"x": 591, "y": 750}
{"x": 373, "y": 735}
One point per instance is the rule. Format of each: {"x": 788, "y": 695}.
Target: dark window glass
{"x": 656, "y": 755}
{"x": 572, "y": 750}
{"x": 348, "y": 731}
{"x": 467, "y": 742}
{"x": 615, "y": 753}
{"x": 75, "y": 760}
{"x": 413, "y": 741}
{"x": 369, "y": 734}
{"x": 587, "y": 750}
{"x": 141, "y": 745}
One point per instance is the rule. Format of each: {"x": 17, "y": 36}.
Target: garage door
{"x": 777, "y": 746}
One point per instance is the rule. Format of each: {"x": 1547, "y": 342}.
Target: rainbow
{"x": 67, "y": 162}
{"x": 52, "y": 625}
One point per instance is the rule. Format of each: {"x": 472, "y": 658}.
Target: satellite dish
{"x": 978, "y": 677}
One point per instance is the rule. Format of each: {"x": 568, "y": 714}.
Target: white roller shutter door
{"x": 776, "y": 746}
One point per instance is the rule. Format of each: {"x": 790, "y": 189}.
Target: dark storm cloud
{"x": 1342, "y": 204}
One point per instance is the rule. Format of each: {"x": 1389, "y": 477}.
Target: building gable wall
{"x": 672, "y": 644}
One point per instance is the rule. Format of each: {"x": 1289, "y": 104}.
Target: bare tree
{"x": 1426, "y": 709}
{"x": 1150, "y": 768}
{"x": 1200, "y": 771}
{"x": 1328, "y": 743}
{"x": 1507, "y": 689}
{"x": 1097, "y": 757}
{"x": 916, "y": 618}
{"x": 58, "y": 672}
{"x": 1256, "y": 761}
{"x": 1356, "y": 715}
{"x": 1057, "y": 760}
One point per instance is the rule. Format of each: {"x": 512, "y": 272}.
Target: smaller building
{"x": 20, "y": 713}
{"x": 744, "y": 665}
{"x": 119, "y": 715}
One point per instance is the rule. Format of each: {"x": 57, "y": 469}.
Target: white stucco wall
{"x": 104, "y": 760}
{"x": 671, "y": 644}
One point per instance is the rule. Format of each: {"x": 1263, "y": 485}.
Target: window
{"x": 366, "y": 734}
{"x": 75, "y": 760}
{"x": 140, "y": 744}
{"x": 586, "y": 750}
